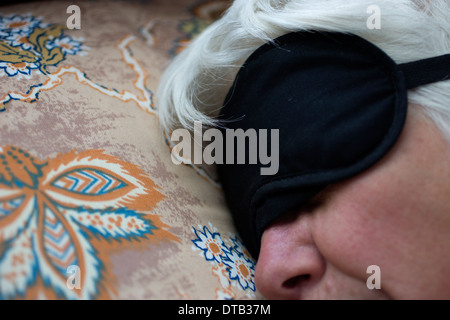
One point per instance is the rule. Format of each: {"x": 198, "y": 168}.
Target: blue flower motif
{"x": 67, "y": 44}
{"x": 19, "y": 24}
{"x": 22, "y": 69}
{"x": 211, "y": 244}
{"x": 240, "y": 269}
{"x": 17, "y": 40}
{"x": 235, "y": 259}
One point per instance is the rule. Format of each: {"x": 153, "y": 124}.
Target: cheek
{"x": 345, "y": 240}
{"x": 357, "y": 231}
{"x": 395, "y": 216}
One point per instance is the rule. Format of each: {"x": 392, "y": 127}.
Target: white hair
{"x": 194, "y": 85}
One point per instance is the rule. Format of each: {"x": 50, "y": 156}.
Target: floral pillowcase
{"x": 91, "y": 205}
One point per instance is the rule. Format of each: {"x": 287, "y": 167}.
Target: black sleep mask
{"x": 339, "y": 103}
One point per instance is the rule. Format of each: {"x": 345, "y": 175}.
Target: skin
{"x": 395, "y": 215}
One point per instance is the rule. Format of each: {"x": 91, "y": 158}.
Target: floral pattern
{"x": 18, "y": 69}
{"x": 83, "y": 208}
{"x": 52, "y": 212}
{"x": 27, "y": 44}
{"x": 231, "y": 259}
{"x": 67, "y": 45}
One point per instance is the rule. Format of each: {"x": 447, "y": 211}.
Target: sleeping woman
{"x": 359, "y": 93}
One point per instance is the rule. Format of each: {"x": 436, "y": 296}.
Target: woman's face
{"x": 395, "y": 215}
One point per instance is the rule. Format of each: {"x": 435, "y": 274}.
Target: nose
{"x": 289, "y": 265}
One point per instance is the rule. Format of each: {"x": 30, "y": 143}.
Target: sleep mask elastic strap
{"x": 426, "y": 71}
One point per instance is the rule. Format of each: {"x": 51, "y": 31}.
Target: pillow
{"x": 91, "y": 204}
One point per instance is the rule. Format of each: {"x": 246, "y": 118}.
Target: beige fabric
{"x": 87, "y": 185}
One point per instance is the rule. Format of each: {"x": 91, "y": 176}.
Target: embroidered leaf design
{"x": 119, "y": 224}
{"x": 18, "y": 167}
{"x": 16, "y": 209}
{"x": 87, "y": 181}
{"x": 8, "y": 206}
{"x": 17, "y": 266}
{"x": 9, "y": 53}
{"x": 39, "y": 39}
{"x": 53, "y": 57}
{"x": 95, "y": 180}
{"x": 60, "y": 244}
{"x": 40, "y": 36}
{"x": 58, "y": 213}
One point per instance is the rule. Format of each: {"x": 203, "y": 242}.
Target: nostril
{"x": 296, "y": 281}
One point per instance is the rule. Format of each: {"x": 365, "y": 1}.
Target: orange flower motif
{"x": 49, "y": 211}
